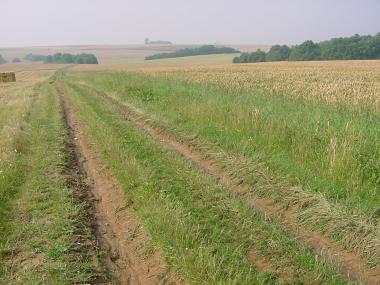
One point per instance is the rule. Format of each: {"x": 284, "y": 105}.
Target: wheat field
{"x": 208, "y": 173}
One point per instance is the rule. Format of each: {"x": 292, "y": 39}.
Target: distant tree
{"x": 85, "y": 58}
{"x": 146, "y": 41}
{"x": 67, "y": 58}
{"x": 49, "y": 59}
{"x": 57, "y": 58}
{"x": 257, "y": 56}
{"x": 202, "y": 50}
{"x": 16, "y": 60}
{"x": 2, "y": 60}
{"x": 35, "y": 57}
{"x": 241, "y": 58}
{"x": 159, "y": 42}
{"x": 355, "y": 47}
{"x": 79, "y": 61}
{"x": 278, "y": 53}
{"x": 308, "y": 50}
{"x": 375, "y": 46}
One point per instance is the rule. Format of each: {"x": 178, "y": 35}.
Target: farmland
{"x": 175, "y": 173}
{"x": 124, "y": 55}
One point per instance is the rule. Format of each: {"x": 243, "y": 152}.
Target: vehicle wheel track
{"x": 348, "y": 264}
{"x": 118, "y": 231}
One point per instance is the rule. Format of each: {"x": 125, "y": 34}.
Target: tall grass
{"x": 204, "y": 232}
{"x": 325, "y": 148}
{"x": 13, "y": 143}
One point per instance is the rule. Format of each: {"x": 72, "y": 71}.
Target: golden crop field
{"x": 346, "y": 82}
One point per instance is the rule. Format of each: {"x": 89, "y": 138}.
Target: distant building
{"x": 147, "y": 42}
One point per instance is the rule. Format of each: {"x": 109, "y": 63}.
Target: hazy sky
{"x": 63, "y": 22}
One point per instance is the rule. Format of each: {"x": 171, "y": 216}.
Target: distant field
{"x": 194, "y": 60}
{"x": 112, "y": 54}
{"x": 191, "y": 171}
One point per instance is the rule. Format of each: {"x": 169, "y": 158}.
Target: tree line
{"x": 35, "y": 57}
{"x": 64, "y": 58}
{"x": 346, "y": 48}
{"x": 2, "y": 60}
{"x": 203, "y": 50}
{"x": 15, "y": 60}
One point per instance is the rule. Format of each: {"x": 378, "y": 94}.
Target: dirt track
{"x": 349, "y": 264}
{"x": 119, "y": 232}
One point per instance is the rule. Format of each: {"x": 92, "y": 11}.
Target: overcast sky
{"x": 63, "y": 22}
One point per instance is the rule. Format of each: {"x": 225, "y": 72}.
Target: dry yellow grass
{"x": 15, "y": 99}
{"x": 30, "y": 72}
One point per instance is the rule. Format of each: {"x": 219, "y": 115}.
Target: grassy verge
{"x": 14, "y": 109}
{"x": 204, "y": 232}
{"x": 40, "y": 222}
{"x": 326, "y": 149}
{"x": 352, "y": 225}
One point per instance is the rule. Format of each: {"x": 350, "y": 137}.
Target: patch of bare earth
{"x": 118, "y": 230}
{"x": 263, "y": 264}
{"x": 349, "y": 264}
{"x": 86, "y": 244}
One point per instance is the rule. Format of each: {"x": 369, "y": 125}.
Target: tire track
{"x": 348, "y": 264}
{"x": 118, "y": 230}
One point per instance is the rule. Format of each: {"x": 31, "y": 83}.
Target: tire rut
{"x": 348, "y": 264}
{"x": 118, "y": 230}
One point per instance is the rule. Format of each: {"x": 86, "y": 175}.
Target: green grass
{"x": 40, "y": 220}
{"x": 14, "y": 108}
{"x": 328, "y": 163}
{"x": 203, "y": 230}
{"x": 327, "y": 149}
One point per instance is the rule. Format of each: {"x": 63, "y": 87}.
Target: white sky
{"x": 64, "y": 22}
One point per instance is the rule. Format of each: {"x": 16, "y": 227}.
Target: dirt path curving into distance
{"x": 348, "y": 264}
{"x": 118, "y": 230}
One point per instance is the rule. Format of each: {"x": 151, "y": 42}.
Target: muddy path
{"x": 86, "y": 245}
{"x": 119, "y": 233}
{"x": 348, "y": 264}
